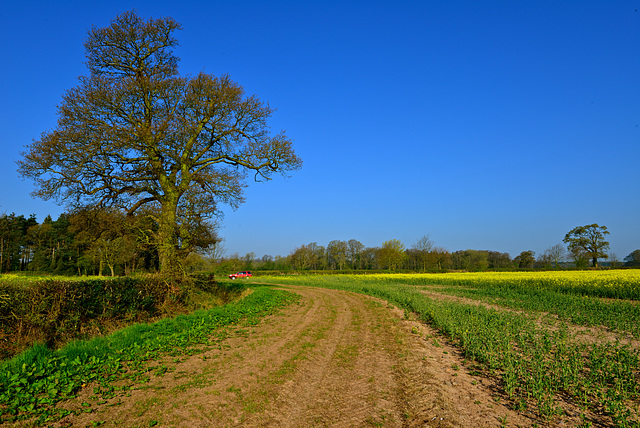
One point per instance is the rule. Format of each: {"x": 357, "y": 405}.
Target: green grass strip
{"x": 33, "y": 382}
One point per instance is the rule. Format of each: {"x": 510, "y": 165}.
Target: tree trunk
{"x": 595, "y": 262}
{"x": 167, "y": 240}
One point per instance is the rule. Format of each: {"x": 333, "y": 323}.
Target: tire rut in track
{"x": 347, "y": 378}
{"x": 334, "y": 359}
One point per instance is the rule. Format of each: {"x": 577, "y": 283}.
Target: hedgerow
{"x": 34, "y": 382}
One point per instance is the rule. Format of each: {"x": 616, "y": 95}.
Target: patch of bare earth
{"x": 335, "y": 359}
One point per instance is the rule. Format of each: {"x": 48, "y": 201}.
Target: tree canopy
{"x": 135, "y": 134}
{"x": 525, "y": 259}
{"x": 391, "y": 255}
{"x": 633, "y": 259}
{"x": 588, "y": 239}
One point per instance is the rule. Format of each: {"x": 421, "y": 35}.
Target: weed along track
{"x": 333, "y": 358}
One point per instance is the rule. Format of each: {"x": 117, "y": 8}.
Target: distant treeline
{"x": 87, "y": 242}
{"x": 423, "y": 256}
{"x": 107, "y": 242}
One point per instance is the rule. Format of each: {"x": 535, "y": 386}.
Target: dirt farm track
{"x": 333, "y": 359}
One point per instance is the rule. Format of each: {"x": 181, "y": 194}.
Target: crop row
{"x": 539, "y": 368}
{"x": 616, "y": 284}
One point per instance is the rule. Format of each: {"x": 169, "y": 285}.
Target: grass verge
{"x": 32, "y": 383}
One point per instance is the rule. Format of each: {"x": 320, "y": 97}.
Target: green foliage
{"x": 536, "y": 364}
{"x": 54, "y": 311}
{"x": 391, "y": 255}
{"x": 13, "y": 241}
{"x": 616, "y": 315}
{"x": 472, "y": 260}
{"x": 32, "y": 383}
{"x": 204, "y": 286}
{"x": 83, "y": 242}
{"x": 525, "y": 259}
{"x": 106, "y": 149}
{"x": 633, "y": 259}
{"x": 588, "y": 239}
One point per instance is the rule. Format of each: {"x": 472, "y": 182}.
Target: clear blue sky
{"x": 496, "y": 125}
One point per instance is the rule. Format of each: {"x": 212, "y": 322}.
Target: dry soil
{"x": 333, "y": 359}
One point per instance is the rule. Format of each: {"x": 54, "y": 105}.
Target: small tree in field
{"x": 590, "y": 240}
{"x": 136, "y": 135}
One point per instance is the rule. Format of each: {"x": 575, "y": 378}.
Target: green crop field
{"x": 555, "y": 342}
{"x": 549, "y": 337}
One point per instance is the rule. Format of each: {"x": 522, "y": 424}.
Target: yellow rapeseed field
{"x": 617, "y": 283}
{"x": 620, "y": 283}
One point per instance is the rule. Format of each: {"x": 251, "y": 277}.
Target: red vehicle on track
{"x": 243, "y": 274}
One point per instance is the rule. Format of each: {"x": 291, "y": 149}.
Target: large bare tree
{"x": 134, "y": 134}
{"x": 422, "y": 249}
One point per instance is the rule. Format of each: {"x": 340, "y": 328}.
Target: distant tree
{"x": 441, "y": 258}
{"x": 267, "y": 263}
{"x": 470, "y": 260}
{"x": 135, "y": 134}
{"x": 113, "y": 252}
{"x": 282, "y": 263}
{"x": 544, "y": 260}
{"x": 43, "y": 243}
{"x": 525, "y": 259}
{"x": 614, "y": 261}
{"x": 422, "y": 249}
{"x": 368, "y": 257}
{"x": 413, "y": 260}
{"x": 229, "y": 264}
{"x": 354, "y": 253}
{"x": 300, "y": 258}
{"x": 27, "y": 246}
{"x": 98, "y": 238}
{"x": 317, "y": 256}
{"x": 248, "y": 260}
{"x": 390, "y": 255}
{"x": 337, "y": 254}
{"x": 590, "y": 239}
{"x": 53, "y": 246}
{"x": 459, "y": 260}
{"x": 556, "y": 254}
{"x": 633, "y": 259}
{"x": 309, "y": 256}
{"x": 15, "y": 246}
{"x": 579, "y": 257}
{"x": 498, "y": 260}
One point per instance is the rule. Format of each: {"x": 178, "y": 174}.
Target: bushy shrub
{"x": 55, "y": 311}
